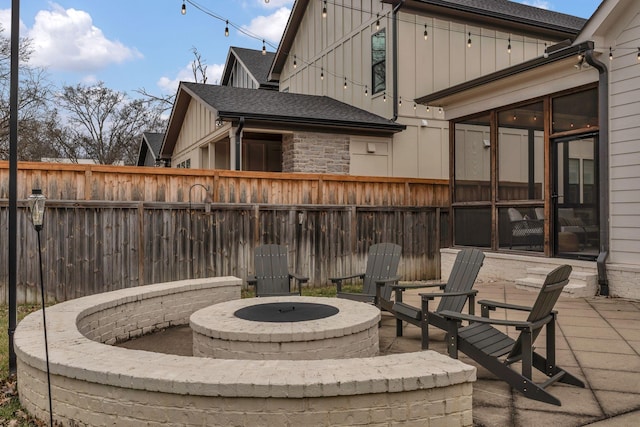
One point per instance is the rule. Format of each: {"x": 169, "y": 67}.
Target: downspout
{"x": 603, "y": 169}
{"x": 239, "y": 143}
{"x": 395, "y": 11}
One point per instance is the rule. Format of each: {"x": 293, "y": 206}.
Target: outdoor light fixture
{"x": 264, "y": 48}
{"x": 36, "y": 209}
{"x": 324, "y": 9}
{"x": 184, "y": 8}
{"x": 226, "y": 29}
{"x": 426, "y": 33}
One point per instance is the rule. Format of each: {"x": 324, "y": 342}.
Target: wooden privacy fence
{"x": 92, "y": 246}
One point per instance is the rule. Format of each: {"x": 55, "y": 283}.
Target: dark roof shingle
{"x": 232, "y": 102}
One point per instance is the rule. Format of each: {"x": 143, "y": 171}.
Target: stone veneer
{"x": 94, "y": 384}
{"x": 315, "y": 153}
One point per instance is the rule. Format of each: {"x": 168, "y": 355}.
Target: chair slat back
{"x": 551, "y": 289}
{"x": 382, "y": 263}
{"x": 272, "y": 270}
{"x": 463, "y": 275}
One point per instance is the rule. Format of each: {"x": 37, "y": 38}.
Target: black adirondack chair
{"x": 381, "y": 271}
{"x": 272, "y": 273}
{"x": 453, "y": 296}
{"x": 488, "y": 346}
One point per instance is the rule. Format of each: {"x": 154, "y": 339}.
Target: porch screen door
{"x": 576, "y": 201}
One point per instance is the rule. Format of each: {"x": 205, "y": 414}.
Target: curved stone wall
{"x": 96, "y": 384}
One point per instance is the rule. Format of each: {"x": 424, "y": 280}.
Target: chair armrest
{"x": 340, "y": 279}
{"x": 448, "y": 294}
{"x": 492, "y": 305}
{"x": 519, "y": 324}
{"x": 299, "y": 278}
{"x": 384, "y": 282}
{"x": 405, "y": 286}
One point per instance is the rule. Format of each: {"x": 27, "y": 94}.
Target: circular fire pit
{"x": 289, "y": 327}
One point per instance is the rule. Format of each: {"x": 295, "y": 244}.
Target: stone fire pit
{"x": 288, "y": 327}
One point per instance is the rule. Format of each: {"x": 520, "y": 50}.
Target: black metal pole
{"x": 13, "y": 178}
{"x": 44, "y": 324}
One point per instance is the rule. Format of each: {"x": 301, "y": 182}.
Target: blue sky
{"x": 133, "y": 44}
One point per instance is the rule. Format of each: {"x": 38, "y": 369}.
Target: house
{"x": 248, "y": 68}
{"x": 149, "y": 154}
{"x": 226, "y": 127}
{"x": 532, "y": 115}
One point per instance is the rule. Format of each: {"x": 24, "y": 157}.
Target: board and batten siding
{"x": 199, "y": 122}
{"x": 624, "y": 139}
{"x": 340, "y": 46}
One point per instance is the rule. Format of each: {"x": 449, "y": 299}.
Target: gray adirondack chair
{"x": 272, "y": 273}
{"x": 381, "y": 271}
{"x": 488, "y": 346}
{"x": 453, "y": 296}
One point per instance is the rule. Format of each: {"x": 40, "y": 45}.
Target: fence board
{"x": 109, "y": 228}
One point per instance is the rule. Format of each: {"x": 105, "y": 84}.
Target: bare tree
{"x": 165, "y": 102}
{"x": 104, "y": 124}
{"x": 33, "y": 103}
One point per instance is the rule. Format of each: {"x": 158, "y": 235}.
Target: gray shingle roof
{"x": 283, "y": 107}
{"x": 257, "y": 64}
{"x": 514, "y": 11}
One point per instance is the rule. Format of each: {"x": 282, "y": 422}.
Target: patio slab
{"x": 598, "y": 340}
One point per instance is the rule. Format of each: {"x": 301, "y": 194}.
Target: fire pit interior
{"x": 286, "y": 312}
{"x": 287, "y": 327}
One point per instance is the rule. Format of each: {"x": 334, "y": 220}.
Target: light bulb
{"x": 264, "y": 48}
{"x": 377, "y": 21}
{"x": 324, "y": 9}
{"x": 295, "y": 62}
{"x": 509, "y": 46}
{"x": 469, "y": 40}
{"x": 321, "y": 73}
{"x": 426, "y": 34}
{"x": 184, "y": 9}
{"x": 226, "y": 30}
{"x": 366, "y": 91}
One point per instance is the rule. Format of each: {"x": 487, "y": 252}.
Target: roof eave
{"x": 298, "y": 121}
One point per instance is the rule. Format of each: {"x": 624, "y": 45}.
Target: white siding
{"x": 625, "y": 144}
{"x": 341, "y": 45}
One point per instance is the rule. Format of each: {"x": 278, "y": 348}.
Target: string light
{"x": 639, "y": 54}
{"x": 324, "y": 9}
{"x": 184, "y": 8}
{"x": 295, "y": 62}
{"x": 321, "y": 73}
{"x": 469, "y": 40}
{"x": 439, "y": 110}
{"x": 610, "y": 54}
{"x": 226, "y": 29}
{"x": 377, "y": 21}
{"x": 546, "y": 52}
{"x": 414, "y": 106}
{"x": 400, "y": 102}
{"x": 264, "y": 48}
{"x": 345, "y": 82}
{"x": 428, "y": 109}
{"x": 366, "y": 91}
{"x": 384, "y": 97}
{"x": 426, "y": 33}
{"x": 509, "y": 46}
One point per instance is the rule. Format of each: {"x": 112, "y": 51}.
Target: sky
{"x": 148, "y": 44}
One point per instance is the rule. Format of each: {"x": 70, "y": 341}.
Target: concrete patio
{"x": 598, "y": 340}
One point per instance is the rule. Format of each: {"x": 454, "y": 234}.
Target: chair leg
{"x": 398, "y": 328}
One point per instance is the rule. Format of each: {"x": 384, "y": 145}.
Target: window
{"x": 378, "y": 61}
{"x": 521, "y": 153}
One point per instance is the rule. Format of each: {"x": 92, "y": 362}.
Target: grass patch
{"x": 321, "y": 291}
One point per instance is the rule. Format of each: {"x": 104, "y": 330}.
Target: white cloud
{"x": 269, "y": 27}
{"x": 542, "y": 4}
{"x": 66, "y": 39}
{"x": 170, "y": 85}
{"x": 5, "y": 23}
